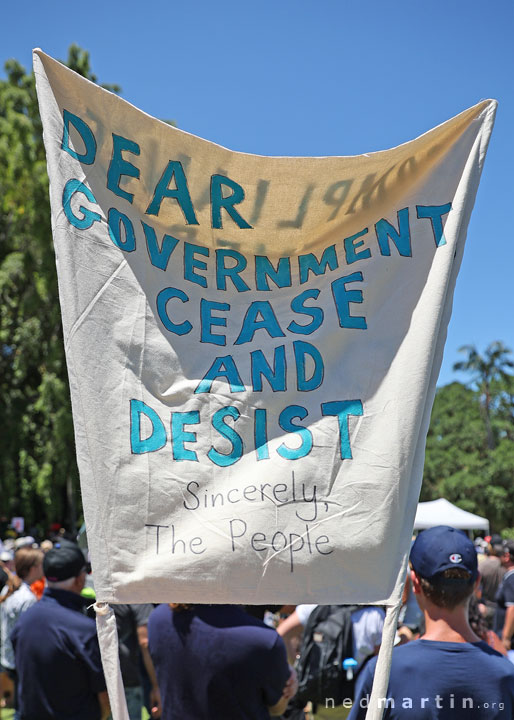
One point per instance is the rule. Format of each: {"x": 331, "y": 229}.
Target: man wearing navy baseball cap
{"x": 449, "y": 673}
{"x": 56, "y": 647}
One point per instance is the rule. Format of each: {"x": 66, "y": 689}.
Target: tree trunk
{"x": 487, "y": 412}
{"x": 72, "y": 506}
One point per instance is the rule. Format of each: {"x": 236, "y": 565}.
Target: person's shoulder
{"x": 159, "y": 610}
{"x": 32, "y": 610}
{"x": 20, "y": 599}
{"x": 121, "y": 608}
{"x": 264, "y": 634}
{"x": 423, "y": 653}
{"x": 507, "y": 587}
{"x": 490, "y": 562}
{"x": 413, "y": 653}
{"x": 141, "y": 613}
{"x": 31, "y": 618}
{"x": 369, "y": 613}
{"x": 254, "y": 631}
{"x": 503, "y": 664}
{"x": 27, "y": 597}
{"x": 64, "y": 617}
{"x": 75, "y": 618}
{"x": 159, "y": 614}
{"x": 369, "y": 610}
{"x": 404, "y": 656}
{"x": 483, "y": 652}
{"x": 304, "y": 611}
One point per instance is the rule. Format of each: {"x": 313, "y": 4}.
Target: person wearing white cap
{"x": 24, "y": 541}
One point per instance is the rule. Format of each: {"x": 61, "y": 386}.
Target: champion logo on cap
{"x": 443, "y": 548}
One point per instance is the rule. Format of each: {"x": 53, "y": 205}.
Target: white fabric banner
{"x": 253, "y": 345}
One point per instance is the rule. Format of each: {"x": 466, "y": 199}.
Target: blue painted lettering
{"x": 342, "y": 409}
{"x": 400, "y": 237}
{"x": 115, "y": 221}
{"x": 86, "y": 134}
{"x": 252, "y": 323}
{"x": 260, "y": 368}
{"x": 261, "y": 436}
{"x": 435, "y": 214}
{"x": 222, "y": 367}
{"x": 227, "y": 432}
{"x": 219, "y": 202}
{"x": 174, "y": 171}
{"x": 88, "y": 216}
{"x": 159, "y": 257}
{"x": 301, "y": 350}
{"x": 191, "y": 263}
{"x": 316, "y": 313}
{"x": 281, "y": 275}
{"x": 285, "y": 420}
{"x": 343, "y": 298}
{"x": 119, "y": 166}
{"x": 179, "y": 436}
{"x": 223, "y": 272}
{"x": 162, "y": 310}
{"x": 350, "y": 247}
{"x": 157, "y": 438}
{"x": 310, "y": 263}
{"x": 208, "y": 320}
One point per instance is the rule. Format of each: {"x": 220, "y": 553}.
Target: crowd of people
{"x": 453, "y": 657}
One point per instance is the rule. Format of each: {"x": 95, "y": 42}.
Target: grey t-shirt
{"x": 492, "y": 574}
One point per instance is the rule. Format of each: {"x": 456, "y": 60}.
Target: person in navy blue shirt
{"x": 56, "y": 648}
{"x": 449, "y": 674}
{"x": 217, "y": 662}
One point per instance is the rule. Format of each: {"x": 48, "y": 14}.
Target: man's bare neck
{"x": 446, "y": 625}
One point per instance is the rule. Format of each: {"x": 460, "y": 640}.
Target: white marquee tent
{"x": 442, "y": 512}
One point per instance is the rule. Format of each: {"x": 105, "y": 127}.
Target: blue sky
{"x": 332, "y": 77}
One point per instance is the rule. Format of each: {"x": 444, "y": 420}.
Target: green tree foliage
{"x": 487, "y": 371}
{"x": 38, "y": 473}
{"x": 470, "y": 448}
{"x": 470, "y": 451}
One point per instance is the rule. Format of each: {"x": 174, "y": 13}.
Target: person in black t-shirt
{"x": 131, "y": 623}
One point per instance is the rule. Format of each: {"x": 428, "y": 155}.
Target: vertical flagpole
{"x": 108, "y": 641}
{"x": 383, "y": 668}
